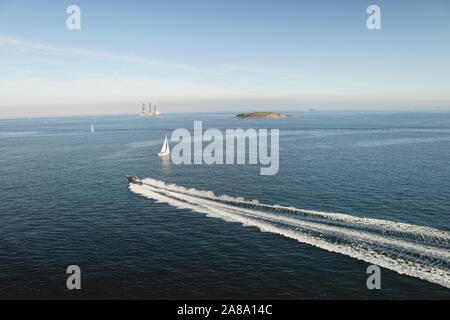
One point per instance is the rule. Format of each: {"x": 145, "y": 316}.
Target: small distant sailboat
{"x": 92, "y": 128}
{"x": 165, "y": 150}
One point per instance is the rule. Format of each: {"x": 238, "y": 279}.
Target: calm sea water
{"x": 65, "y": 200}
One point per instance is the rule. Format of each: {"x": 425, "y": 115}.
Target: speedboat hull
{"x": 134, "y": 179}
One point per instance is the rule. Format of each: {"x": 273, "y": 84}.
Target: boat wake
{"x": 417, "y": 251}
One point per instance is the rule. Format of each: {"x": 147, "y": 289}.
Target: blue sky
{"x": 222, "y": 55}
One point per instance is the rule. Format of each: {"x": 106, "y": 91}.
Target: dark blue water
{"x": 65, "y": 200}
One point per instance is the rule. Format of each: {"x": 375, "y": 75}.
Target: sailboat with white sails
{"x": 92, "y": 128}
{"x": 165, "y": 150}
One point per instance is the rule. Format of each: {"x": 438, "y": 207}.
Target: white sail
{"x": 165, "y": 147}
{"x": 92, "y": 128}
{"x": 165, "y": 150}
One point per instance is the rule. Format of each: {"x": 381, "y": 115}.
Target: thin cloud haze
{"x": 222, "y": 57}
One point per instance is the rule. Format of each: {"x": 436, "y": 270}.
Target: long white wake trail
{"x": 413, "y": 250}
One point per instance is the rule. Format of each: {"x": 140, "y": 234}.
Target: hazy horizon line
{"x": 230, "y": 112}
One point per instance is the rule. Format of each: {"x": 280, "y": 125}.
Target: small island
{"x": 261, "y": 115}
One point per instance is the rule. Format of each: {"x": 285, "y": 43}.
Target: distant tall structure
{"x": 149, "y": 112}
